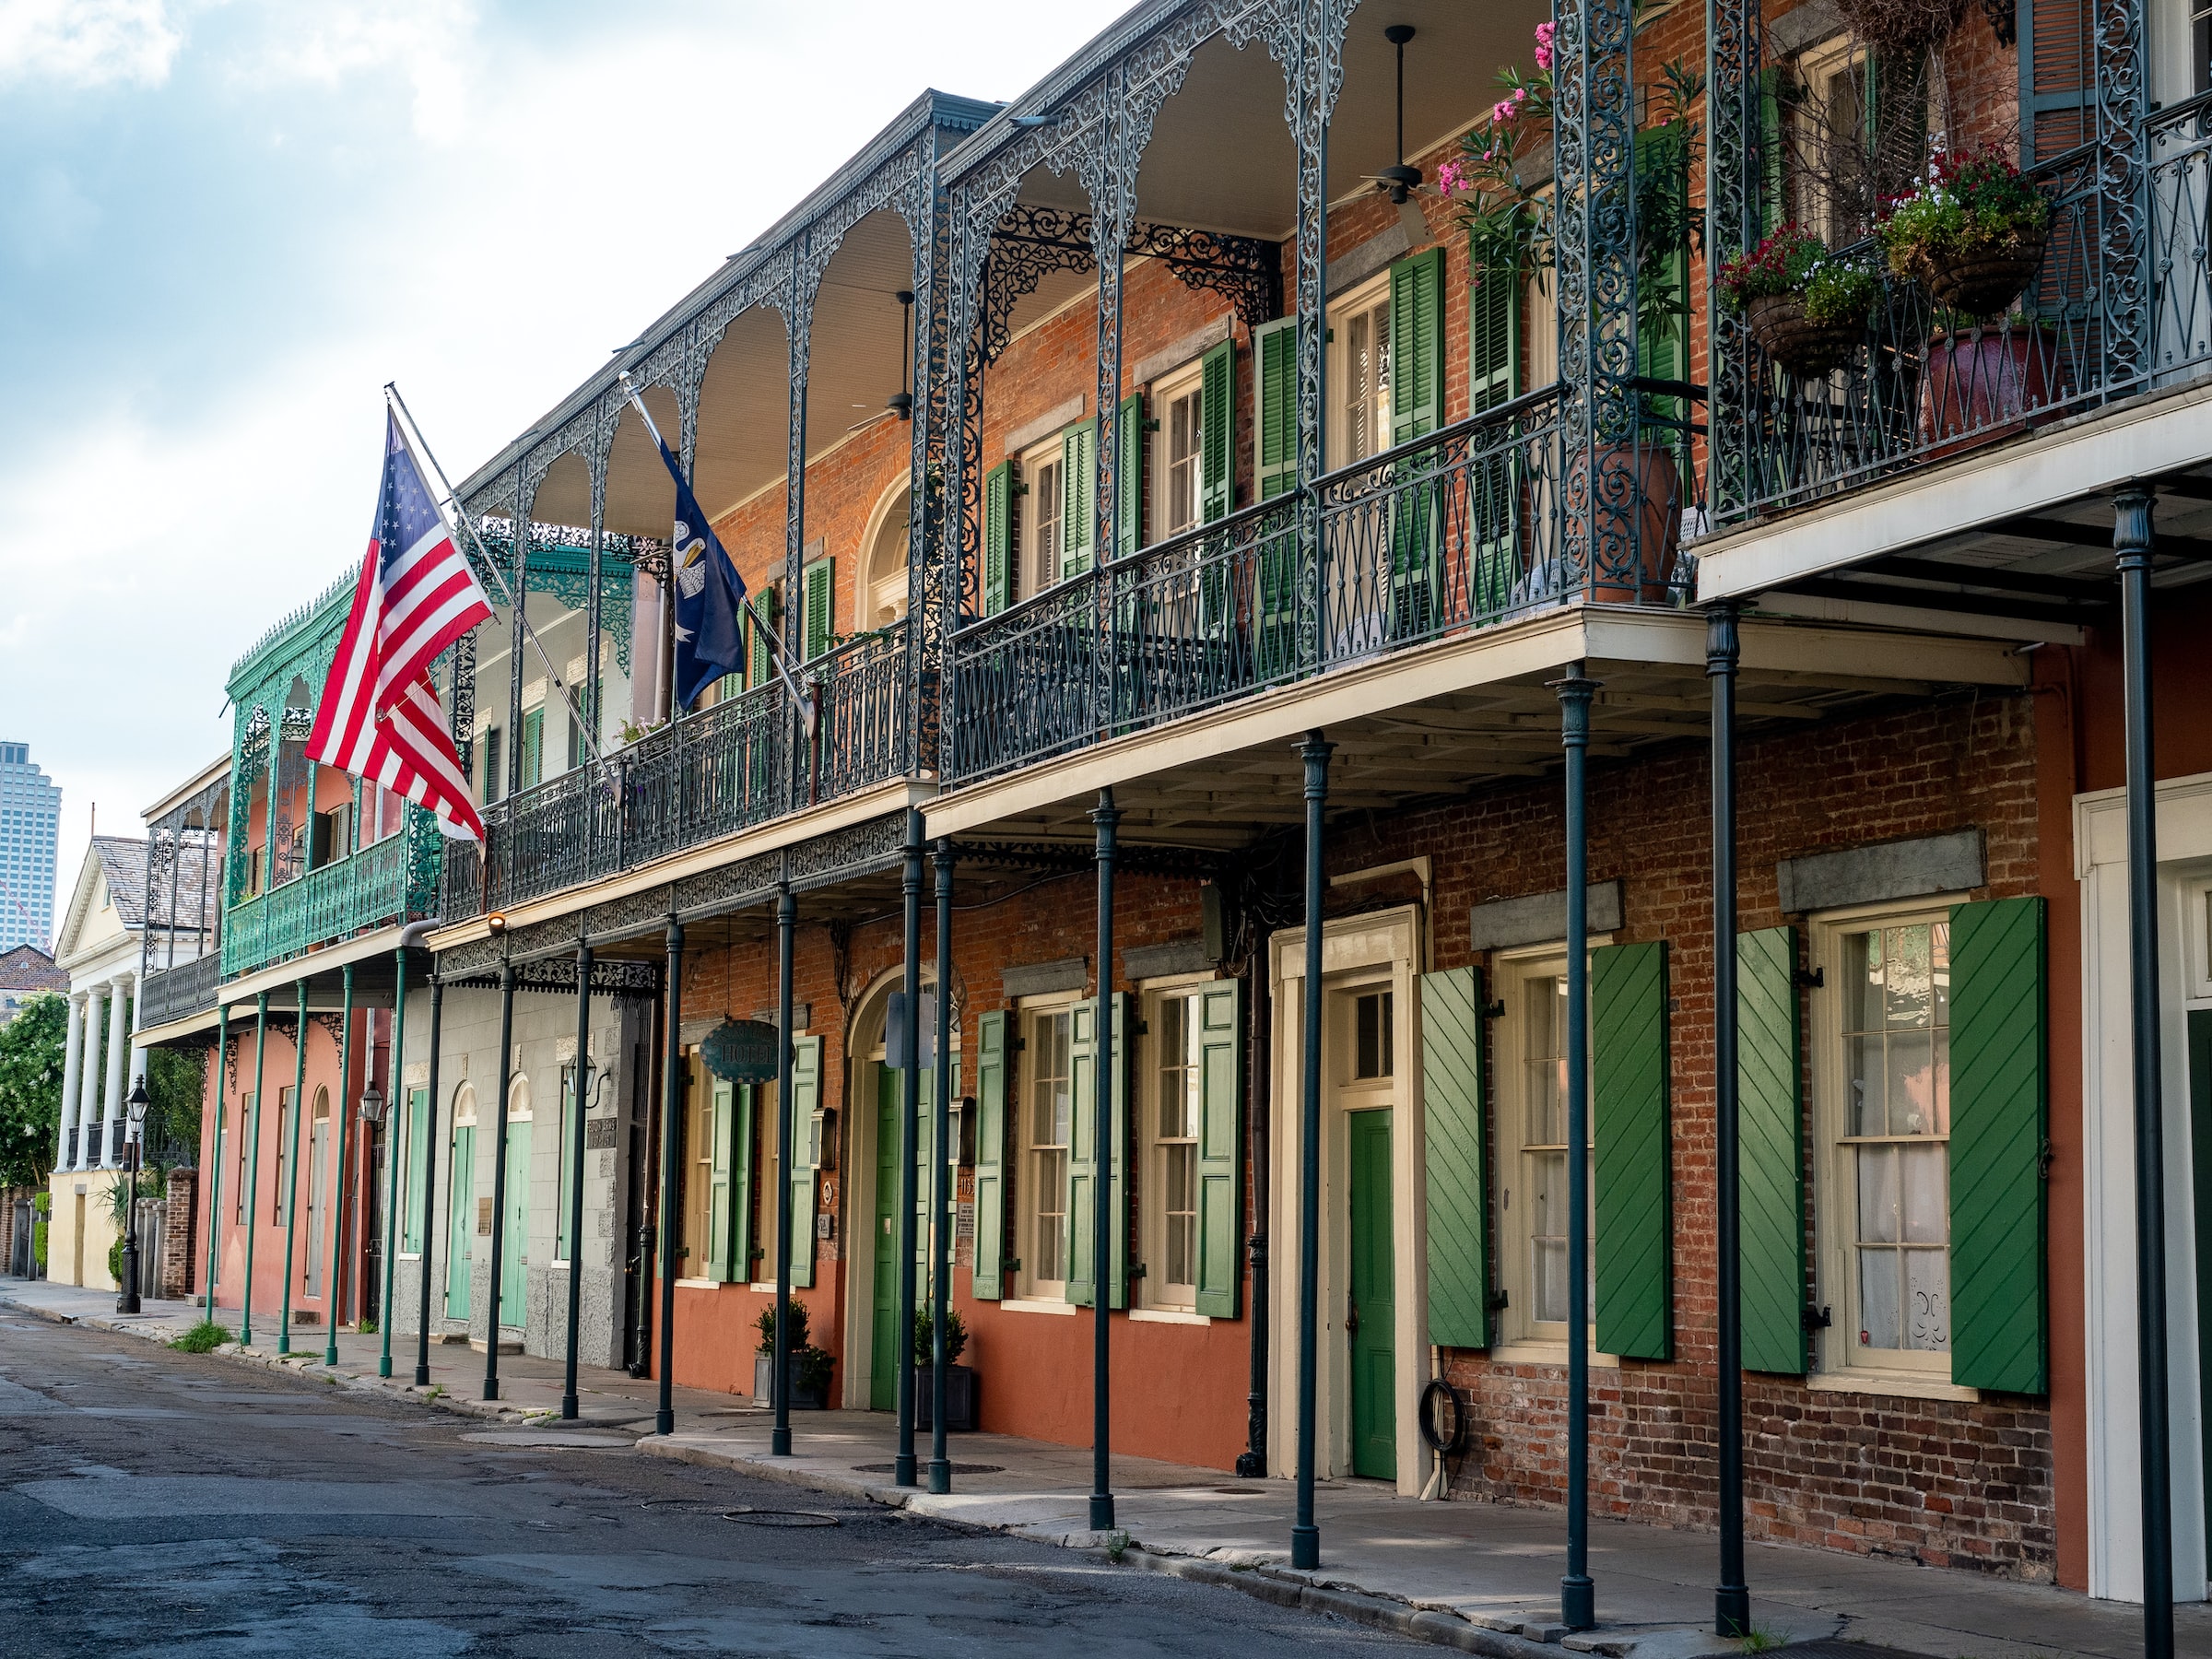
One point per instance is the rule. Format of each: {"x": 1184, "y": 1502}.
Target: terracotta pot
{"x": 1984, "y": 284}
{"x": 1984, "y": 384}
{"x": 1635, "y": 515}
{"x": 1807, "y": 349}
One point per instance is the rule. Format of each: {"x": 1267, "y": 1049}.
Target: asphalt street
{"x": 153, "y": 1502}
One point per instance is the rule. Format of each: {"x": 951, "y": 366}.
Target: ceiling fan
{"x": 901, "y": 402}
{"x": 1401, "y": 182}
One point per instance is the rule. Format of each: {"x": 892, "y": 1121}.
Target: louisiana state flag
{"x": 710, "y": 596}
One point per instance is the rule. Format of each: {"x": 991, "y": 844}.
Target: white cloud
{"x": 77, "y": 43}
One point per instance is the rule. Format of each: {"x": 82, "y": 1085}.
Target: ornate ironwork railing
{"x": 166, "y": 994}
{"x": 1457, "y": 530}
{"x": 738, "y": 764}
{"x": 1925, "y": 385}
{"x": 380, "y": 884}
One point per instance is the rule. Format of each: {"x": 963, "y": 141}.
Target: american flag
{"x": 379, "y": 717}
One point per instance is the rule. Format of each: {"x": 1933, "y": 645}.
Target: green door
{"x": 1373, "y": 1316}
{"x": 883, "y": 1356}
{"x": 461, "y": 1246}
{"x": 514, "y": 1246}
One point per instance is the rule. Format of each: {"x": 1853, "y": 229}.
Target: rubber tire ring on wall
{"x": 1440, "y": 1392}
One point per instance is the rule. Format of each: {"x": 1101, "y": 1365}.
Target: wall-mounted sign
{"x": 742, "y": 1051}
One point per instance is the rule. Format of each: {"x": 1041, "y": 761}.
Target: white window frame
{"x": 1041, "y": 556}
{"x": 1151, "y": 1049}
{"x": 1028, "y": 1012}
{"x": 1187, "y": 382}
{"x": 1817, "y": 70}
{"x": 1840, "y": 1362}
{"x": 1361, "y": 300}
{"x": 878, "y": 584}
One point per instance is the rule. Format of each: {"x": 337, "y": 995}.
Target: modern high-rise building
{"x": 31, "y": 816}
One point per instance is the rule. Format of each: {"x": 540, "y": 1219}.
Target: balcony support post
{"x": 1731, "y": 1598}
{"x": 674, "y": 1078}
{"x": 520, "y": 588}
{"x": 579, "y": 1101}
{"x": 261, "y": 1043}
{"x": 336, "y": 1274}
{"x": 498, "y": 1179}
{"x": 215, "y": 1183}
{"x": 595, "y": 725}
{"x": 909, "y": 1060}
{"x": 291, "y": 1162}
{"x": 394, "y": 1085}
{"x": 2132, "y": 547}
{"x": 805, "y": 278}
{"x": 940, "y": 1185}
{"x": 1578, "y": 1595}
{"x": 395, "y": 1070}
{"x": 1108, "y": 818}
{"x": 779, "y": 1375}
{"x": 1305, "y": 1536}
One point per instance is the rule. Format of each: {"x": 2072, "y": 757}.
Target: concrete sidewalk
{"x": 1476, "y": 1576}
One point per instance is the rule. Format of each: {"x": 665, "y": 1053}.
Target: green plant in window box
{"x": 1972, "y": 233}
{"x": 1806, "y": 307}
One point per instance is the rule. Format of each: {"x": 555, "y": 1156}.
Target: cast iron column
{"x": 396, "y": 1080}
{"x": 940, "y": 1183}
{"x": 498, "y": 1179}
{"x": 910, "y": 1062}
{"x": 579, "y": 1098}
{"x": 1578, "y": 1596}
{"x": 261, "y": 1039}
{"x": 1101, "y": 1184}
{"x": 1305, "y": 1536}
{"x": 671, "y": 1118}
{"x": 1731, "y": 1597}
{"x": 214, "y": 1186}
{"x": 291, "y": 1165}
{"x": 779, "y": 1377}
{"x": 2132, "y": 547}
{"x": 394, "y": 1075}
{"x": 337, "y": 1274}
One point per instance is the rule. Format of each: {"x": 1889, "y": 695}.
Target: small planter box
{"x": 960, "y": 1397}
{"x": 802, "y": 1399}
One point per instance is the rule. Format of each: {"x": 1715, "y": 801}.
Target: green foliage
{"x": 41, "y": 1204}
{"x": 37, "y": 1241}
{"x": 203, "y": 1338}
{"x": 955, "y": 1336}
{"x": 174, "y": 1079}
{"x": 813, "y": 1368}
{"x": 367, "y": 1327}
{"x": 765, "y": 1325}
{"x": 32, "y": 1046}
{"x": 1970, "y": 204}
{"x": 116, "y": 1262}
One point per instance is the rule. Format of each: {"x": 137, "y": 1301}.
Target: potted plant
{"x": 808, "y": 1368}
{"x": 1636, "y": 494}
{"x": 960, "y": 1381}
{"x": 1972, "y": 233}
{"x": 1807, "y": 308}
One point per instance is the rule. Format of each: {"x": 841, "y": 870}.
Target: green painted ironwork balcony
{"x": 392, "y": 881}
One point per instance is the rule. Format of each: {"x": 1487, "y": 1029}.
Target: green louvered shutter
{"x": 998, "y": 538}
{"x": 741, "y": 1185}
{"x": 534, "y": 746}
{"x": 806, "y": 1099}
{"x": 719, "y": 1260}
{"x": 1493, "y": 344}
{"x": 1453, "y": 1040}
{"x": 1663, "y": 337}
{"x": 1220, "y": 1147}
{"x": 761, "y": 666}
{"x": 987, "y": 1283}
{"x": 418, "y": 1167}
{"x": 1999, "y": 1327}
{"x": 1630, "y": 1150}
{"x": 1771, "y": 1135}
{"x": 1129, "y": 481}
{"x": 1078, "y": 498}
{"x": 1218, "y": 433}
{"x": 1494, "y": 377}
{"x": 819, "y": 606}
{"x": 1082, "y": 1162}
{"x": 1770, "y": 175}
{"x": 1417, "y": 345}
{"x": 1274, "y": 406}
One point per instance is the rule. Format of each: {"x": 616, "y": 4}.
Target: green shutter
{"x": 819, "y": 606}
{"x": 1274, "y": 406}
{"x": 806, "y": 1099}
{"x": 1999, "y": 1105}
{"x": 1770, "y": 173}
{"x": 988, "y": 1278}
{"x": 1082, "y": 1162}
{"x": 1218, "y": 433}
{"x": 1453, "y": 1040}
{"x": 1630, "y": 1150}
{"x": 1078, "y": 498}
{"x": 998, "y": 538}
{"x": 1129, "y": 478}
{"x": 762, "y": 665}
{"x": 561, "y": 1253}
{"x": 418, "y": 1165}
{"x": 1494, "y": 377}
{"x": 1417, "y": 345}
{"x": 741, "y": 1185}
{"x": 1662, "y": 336}
{"x": 1493, "y": 343}
{"x": 1770, "y": 1136}
{"x": 534, "y": 746}
{"x": 1220, "y": 1147}
{"x": 718, "y": 1187}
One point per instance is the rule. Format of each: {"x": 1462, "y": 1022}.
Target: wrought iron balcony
{"x": 390, "y": 881}
{"x": 741, "y": 763}
{"x": 167, "y": 993}
{"x": 1457, "y": 530}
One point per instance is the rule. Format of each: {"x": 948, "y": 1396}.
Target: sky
{"x": 224, "y": 224}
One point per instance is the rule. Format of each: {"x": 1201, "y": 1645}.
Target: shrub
{"x": 955, "y": 1336}
{"x": 116, "y": 1262}
{"x": 766, "y": 1325}
{"x": 203, "y": 1338}
{"x": 813, "y": 1366}
{"x": 37, "y": 1243}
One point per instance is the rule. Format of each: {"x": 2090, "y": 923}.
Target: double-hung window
{"x": 1533, "y": 1232}
{"x": 1179, "y": 468}
{"x": 1044, "y": 472}
{"x": 1047, "y": 1132}
{"x": 1171, "y": 1253}
{"x": 1359, "y": 374}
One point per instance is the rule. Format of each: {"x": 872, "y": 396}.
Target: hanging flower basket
{"x": 1808, "y": 349}
{"x": 1982, "y": 282}
{"x": 1972, "y": 232}
{"x": 1807, "y": 308}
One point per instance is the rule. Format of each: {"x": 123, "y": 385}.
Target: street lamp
{"x": 372, "y": 1106}
{"x": 138, "y": 1103}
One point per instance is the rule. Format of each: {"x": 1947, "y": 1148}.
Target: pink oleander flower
{"x": 1489, "y": 155}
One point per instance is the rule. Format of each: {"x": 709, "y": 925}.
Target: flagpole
{"x": 412, "y": 436}
{"x": 776, "y": 648}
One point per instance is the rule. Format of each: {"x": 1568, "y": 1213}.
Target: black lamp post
{"x": 138, "y": 1103}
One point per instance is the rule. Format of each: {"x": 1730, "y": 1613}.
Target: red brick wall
{"x": 175, "y": 1274}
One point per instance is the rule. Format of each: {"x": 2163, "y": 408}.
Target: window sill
{"x": 408, "y": 1255}
{"x": 1181, "y": 1316}
{"x": 697, "y": 1284}
{"x": 1544, "y": 1353}
{"x": 1905, "y": 1385}
{"x": 1036, "y": 1304}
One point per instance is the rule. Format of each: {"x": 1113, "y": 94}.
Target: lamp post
{"x": 138, "y": 1103}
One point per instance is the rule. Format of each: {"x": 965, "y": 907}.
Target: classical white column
{"x": 118, "y": 1043}
{"x": 87, "y": 1099}
{"x": 72, "y": 1064}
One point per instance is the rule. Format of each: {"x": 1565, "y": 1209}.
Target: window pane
{"x": 1911, "y": 1083}
{"x": 1925, "y": 1200}
{"x": 1927, "y": 1300}
{"x": 1180, "y": 1205}
{"x": 1877, "y": 1194}
{"x": 1545, "y": 1082}
{"x": 1908, "y": 980}
{"x": 1877, "y": 1298}
{"x": 1863, "y": 1085}
{"x": 1548, "y": 1228}
{"x": 1052, "y": 1184}
{"x": 1861, "y": 983}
